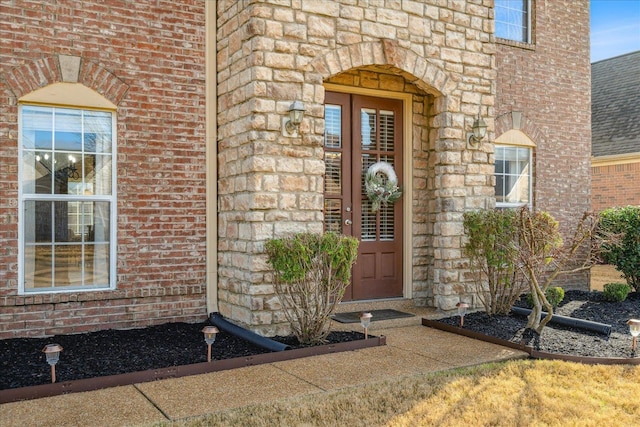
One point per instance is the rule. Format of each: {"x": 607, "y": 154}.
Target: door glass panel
{"x": 332, "y": 126}
{"x": 333, "y": 215}
{"x": 333, "y": 173}
{"x": 368, "y": 222}
{"x": 368, "y": 128}
{"x": 387, "y": 230}
{"x": 387, "y": 129}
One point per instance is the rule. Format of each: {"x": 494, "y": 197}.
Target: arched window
{"x": 67, "y": 190}
{"x": 513, "y": 169}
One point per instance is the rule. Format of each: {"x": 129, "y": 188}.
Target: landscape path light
{"x": 209, "y": 337}
{"x": 52, "y": 352}
{"x": 365, "y": 321}
{"x": 634, "y": 329}
{"x": 462, "y": 310}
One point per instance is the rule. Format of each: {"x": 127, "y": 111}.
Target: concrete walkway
{"x": 410, "y": 350}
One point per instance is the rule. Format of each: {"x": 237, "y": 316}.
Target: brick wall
{"x": 549, "y": 82}
{"x": 147, "y": 56}
{"x": 615, "y": 185}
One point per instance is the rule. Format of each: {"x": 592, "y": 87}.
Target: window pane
{"x": 512, "y": 20}
{"x": 333, "y": 215}
{"x": 97, "y": 132}
{"x": 98, "y": 174}
{"x": 332, "y": 126}
{"x": 368, "y": 128}
{"x": 96, "y": 265}
{"x": 387, "y": 128}
{"x": 333, "y": 174}
{"x": 37, "y": 128}
{"x": 68, "y": 130}
{"x": 96, "y": 216}
{"x": 38, "y": 267}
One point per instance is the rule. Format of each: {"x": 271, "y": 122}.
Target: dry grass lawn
{"x": 550, "y": 393}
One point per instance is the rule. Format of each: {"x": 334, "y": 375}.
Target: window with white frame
{"x": 513, "y": 176}
{"x": 67, "y": 199}
{"x": 513, "y": 20}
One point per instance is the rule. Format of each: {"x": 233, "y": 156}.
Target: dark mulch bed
{"x": 565, "y": 340}
{"x": 112, "y": 352}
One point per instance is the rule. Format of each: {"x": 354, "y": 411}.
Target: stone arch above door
{"x": 425, "y": 75}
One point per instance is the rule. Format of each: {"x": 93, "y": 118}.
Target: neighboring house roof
{"x": 615, "y": 105}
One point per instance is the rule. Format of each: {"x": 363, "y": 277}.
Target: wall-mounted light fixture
{"x": 291, "y": 125}
{"x": 478, "y": 131}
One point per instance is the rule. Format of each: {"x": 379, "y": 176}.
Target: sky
{"x": 615, "y": 28}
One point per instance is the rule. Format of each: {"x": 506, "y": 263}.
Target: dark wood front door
{"x": 360, "y": 131}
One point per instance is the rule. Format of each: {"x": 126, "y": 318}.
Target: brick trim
{"x": 39, "y": 73}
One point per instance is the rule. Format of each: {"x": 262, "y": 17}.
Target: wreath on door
{"x": 381, "y": 185}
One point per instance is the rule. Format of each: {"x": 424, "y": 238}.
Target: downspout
{"x": 211, "y": 153}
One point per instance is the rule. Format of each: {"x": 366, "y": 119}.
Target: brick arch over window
{"x": 518, "y": 121}
{"x": 425, "y": 75}
{"x": 39, "y": 73}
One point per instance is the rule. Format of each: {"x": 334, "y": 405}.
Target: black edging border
{"x": 96, "y": 383}
{"x": 534, "y": 354}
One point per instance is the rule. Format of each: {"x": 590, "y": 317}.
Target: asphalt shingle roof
{"x": 615, "y": 105}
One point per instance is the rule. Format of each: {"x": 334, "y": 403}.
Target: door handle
{"x": 348, "y": 222}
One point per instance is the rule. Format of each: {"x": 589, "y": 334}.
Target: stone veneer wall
{"x": 270, "y": 52}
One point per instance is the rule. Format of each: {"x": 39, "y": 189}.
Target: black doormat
{"x": 386, "y": 314}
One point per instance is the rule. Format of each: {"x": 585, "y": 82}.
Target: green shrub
{"x": 312, "y": 272}
{"x": 625, "y": 252}
{"x": 493, "y": 254}
{"x": 554, "y": 294}
{"x": 616, "y": 292}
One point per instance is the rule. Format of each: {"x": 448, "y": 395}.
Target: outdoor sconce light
{"x": 478, "y": 131}
{"x": 365, "y": 321}
{"x": 634, "y": 329}
{"x": 209, "y": 337}
{"x": 296, "y": 114}
{"x": 52, "y": 351}
{"x": 462, "y": 310}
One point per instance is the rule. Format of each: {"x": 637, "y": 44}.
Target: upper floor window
{"x": 513, "y": 20}
{"x": 513, "y": 176}
{"x": 67, "y": 199}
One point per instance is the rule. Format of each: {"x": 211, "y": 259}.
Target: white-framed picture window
{"x": 67, "y": 199}
{"x": 513, "y": 20}
{"x": 513, "y": 172}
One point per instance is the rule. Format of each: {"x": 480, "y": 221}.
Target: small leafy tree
{"x": 624, "y": 253}
{"x": 544, "y": 256}
{"x": 493, "y": 254}
{"x": 312, "y": 272}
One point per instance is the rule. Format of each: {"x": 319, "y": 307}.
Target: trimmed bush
{"x": 493, "y": 253}
{"x": 554, "y": 294}
{"x": 312, "y": 272}
{"x": 616, "y": 292}
{"x": 625, "y": 253}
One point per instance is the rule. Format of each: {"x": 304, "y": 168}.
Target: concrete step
{"x": 403, "y": 305}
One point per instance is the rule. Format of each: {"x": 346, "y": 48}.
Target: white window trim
{"x": 507, "y": 205}
{"x": 110, "y": 198}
